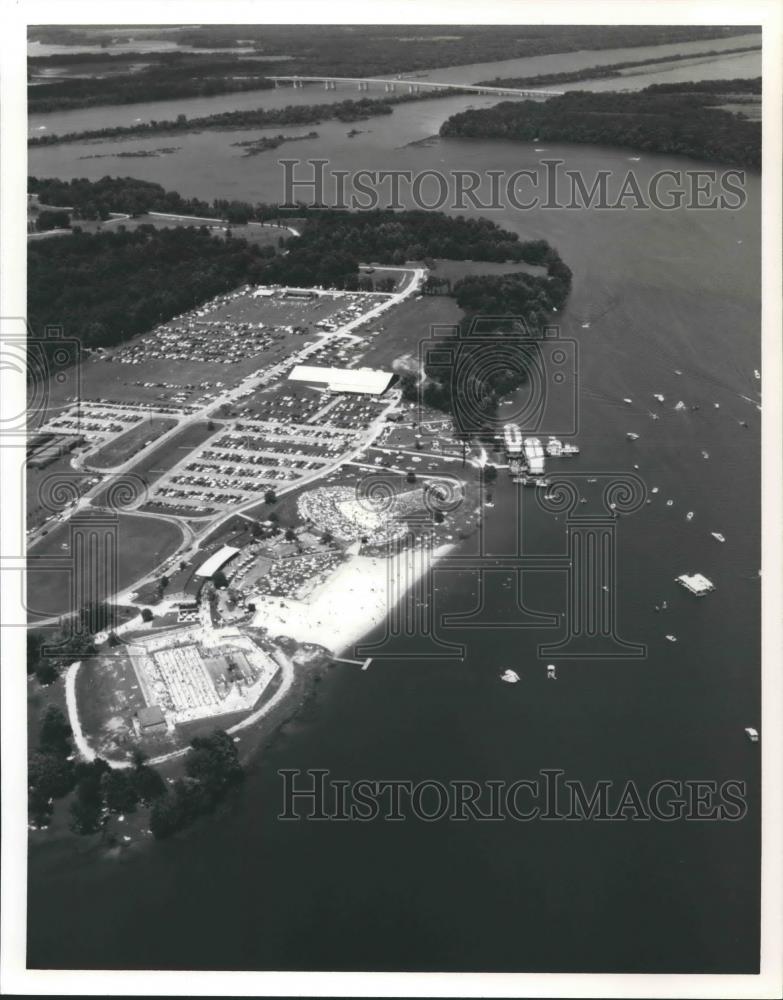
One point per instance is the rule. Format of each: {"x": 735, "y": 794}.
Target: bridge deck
{"x": 434, "y": 85}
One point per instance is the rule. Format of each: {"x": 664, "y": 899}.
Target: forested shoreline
{"x": 683, "y": 119}
{"x": 106, "y": 287}
{"x": 291, "y": 114}
{"x": 607, "y": 72}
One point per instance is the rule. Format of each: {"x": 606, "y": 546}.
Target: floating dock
{"x": 697, "y": 584}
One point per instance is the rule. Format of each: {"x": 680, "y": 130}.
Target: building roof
{"x": 216, "y": 560}
{"x": 366, "y": 380}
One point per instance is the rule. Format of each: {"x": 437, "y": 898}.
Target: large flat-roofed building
{"x": 361, "y": 380}
{"x": 216, "y": 560}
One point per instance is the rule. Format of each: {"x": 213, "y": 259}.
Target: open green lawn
{"x": 141, "y": 544}
{"x": 404, "y": 328}
{"x": 126, "y": 445}
{"x": 108, "y": 695}
{"x": 44, "y": 485}
{"x": 456, "y": 269}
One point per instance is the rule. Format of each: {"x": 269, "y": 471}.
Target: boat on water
{"x": 631, "y": 436}
{"x": 658, "y": 396}
{"x": 689, "y": 516}
{"x": 510, "y": 676}
{"x": 718, "y": 536}
{"x": 551, "y": 672}
{"x": 627, "y": 401}
{"x": 752, "y": 734}
{"x": 672, "y": 638}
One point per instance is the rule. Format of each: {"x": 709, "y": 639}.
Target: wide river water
{"x": 242, "y": 890}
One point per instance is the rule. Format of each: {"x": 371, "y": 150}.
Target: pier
{"x": 364, "y": 664}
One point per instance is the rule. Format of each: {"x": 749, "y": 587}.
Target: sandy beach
{"x": 356, "y": 598}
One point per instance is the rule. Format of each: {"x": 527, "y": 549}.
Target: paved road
{"x": 192, "y": 538}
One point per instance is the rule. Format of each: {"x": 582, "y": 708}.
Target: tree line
{"x": 683, "y": 119}
{"x": 106, "y": 287}
{"x": 498, "y": 310}
{"x": 99, "y": 792}
{"x": 331, "y": 50}
{"x": 291, "y": 114}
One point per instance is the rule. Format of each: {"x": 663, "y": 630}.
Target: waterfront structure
{"x": 697, "y": 584}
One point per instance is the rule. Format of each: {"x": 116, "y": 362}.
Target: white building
{"x": 216, "y": 560}
{"x": 362, "y": 380}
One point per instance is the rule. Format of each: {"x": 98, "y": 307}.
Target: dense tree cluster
{"x": 497, "y": 308}
{"x": 683, "y": 119}
{"x": 99, "y": 790}
{"x": 176, "y": 75}
{"x": 105, "y": 287}
{"x": 127, "y": 195}
{"x": 333, "y": 244}
{"x": 52, "y": 219}
{"x": 50, "y": 651}
{"x": 212, "y": 768}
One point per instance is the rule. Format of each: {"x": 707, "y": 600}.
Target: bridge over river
{"x": 414, "y": 86}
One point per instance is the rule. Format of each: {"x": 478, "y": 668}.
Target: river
{"x": 746, "y": 64}
{"x": 660, "y": 291}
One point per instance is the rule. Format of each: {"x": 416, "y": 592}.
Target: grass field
{"x": 126, "y": 445}
{"x": 408, "y": 326}
{"x": 108, "y": 695}
{"x": 42, "y": 487}
{"x": 456, "y": 269}
{"x": 142, "y": 543}
{"x": 151, "y": 467}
